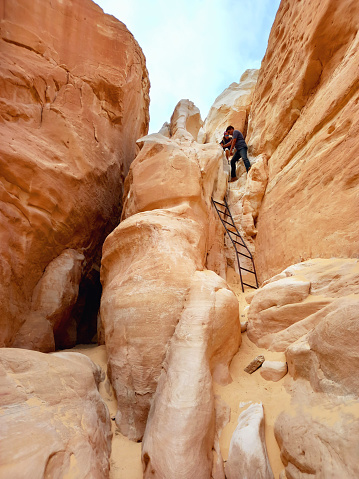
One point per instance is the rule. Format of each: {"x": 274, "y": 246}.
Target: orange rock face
{"x": 304, "y": 117}
{"x": 73, "y": 101}
{"x": 53, "y": 421}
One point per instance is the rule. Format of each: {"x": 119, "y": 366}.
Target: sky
{"x": 195, "y": 49}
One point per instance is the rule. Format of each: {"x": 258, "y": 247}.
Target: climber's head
{"x": 229, "y": 129}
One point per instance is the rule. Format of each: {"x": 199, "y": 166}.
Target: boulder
{"x": 328, "y": 356}
{"x": 247, "y": 451}
{"x": 69, "y": 119}
{"x": 273, "y": 370}
{"x": 295, "y": 301}
{"x": 186, "y": 121}
{"x": 53, "y": 421}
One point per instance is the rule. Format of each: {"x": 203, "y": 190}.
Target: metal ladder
{"x": 227, "y": 220}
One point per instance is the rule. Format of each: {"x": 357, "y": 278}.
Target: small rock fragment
{"x": 255, "y": 364}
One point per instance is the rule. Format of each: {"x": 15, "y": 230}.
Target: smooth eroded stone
{"x": 169, "y": 232}
{"x": 53, "y": 421}
{"x": 247, "y": 451}
{"x": 182, "y": 415}
{"x": 273, "y": 370}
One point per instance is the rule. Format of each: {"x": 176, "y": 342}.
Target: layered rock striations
{"x": 304, "y": 118}
{"x": 166, "y": 317}
{"x": 53, "y": 421}
{"x": 310, "y": 311}
{"x": 74, "y": 100}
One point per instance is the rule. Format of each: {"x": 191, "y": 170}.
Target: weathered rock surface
{"x": 311, "y": 310}
{"x": 273, "y": 370}
{"x": 231, "y": 107}
{"x": 168, "y": 233}
{"x": 69, "y": 120}
{"x": 186, "y": 121}
{"x": 244, "y": 198}
{"x": 294, "y": 302}
{"x": 248, "y": 457}
{"x": 182, "y": 415}
{"x": 328, "y": 356}
{"x": 304, "y": 117}
{"x": 321, "y": 438}
{"x": 53, "y": 422}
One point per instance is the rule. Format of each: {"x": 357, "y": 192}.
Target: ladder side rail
{"x": 234, "y": 242}
{"x": 226, "y": 211}
{"x": 238, "y": 262}
{"x": 245, "y": 246}
{"x": 235, "y": 249}
{"x": 230, "y": 214}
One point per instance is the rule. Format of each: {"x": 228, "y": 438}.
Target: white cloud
{"x": 195, "y": 48}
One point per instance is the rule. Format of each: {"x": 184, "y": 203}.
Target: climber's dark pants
{"x": 241, "y": 153}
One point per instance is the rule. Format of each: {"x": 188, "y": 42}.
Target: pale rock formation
{"x": 294, "y": 302}
{"x": 248, "y": 457}
{"x": 253, "y": 194}
{"x": 169, "y": 230}
{"x": 231, "y": 107}
{"x": 165, "y": 130}
{"x": 244, "y": 198}
{"x": 53, "y": 422}
{"x": 182, "y": 415}
{"x": 311, "y": 311}
{"x": 222, "y": 417}
{"x": 185, "y": 121}
{"x": 304, "y": 117}
{"x": 69, "y": 118}
{"x": 319, "y": 439}
{"x": 273, "y": 370}
{"x": 328, "y": 356}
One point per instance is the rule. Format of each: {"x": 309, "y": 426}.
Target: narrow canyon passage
{"x": 127, "y": 346}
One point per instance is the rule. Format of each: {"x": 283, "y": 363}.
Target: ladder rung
{"x": 249, "y": 271}
{"x": 218, "y": 203}
{"x": 236, "y": 234}
{"x": 242, "y": 254}
{"x": 230, "y": 224}
{"x": 240, "y": 244}
{"x": 254, "y": 287}
{"x": 223, "y": 212}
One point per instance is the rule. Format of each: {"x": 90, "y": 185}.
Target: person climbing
{"x": 241, "y": 151}
{"x": 226, "y": 143}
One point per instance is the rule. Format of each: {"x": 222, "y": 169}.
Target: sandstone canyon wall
{"x": 304, "y": 118}
{"x": 74, "y": 99}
